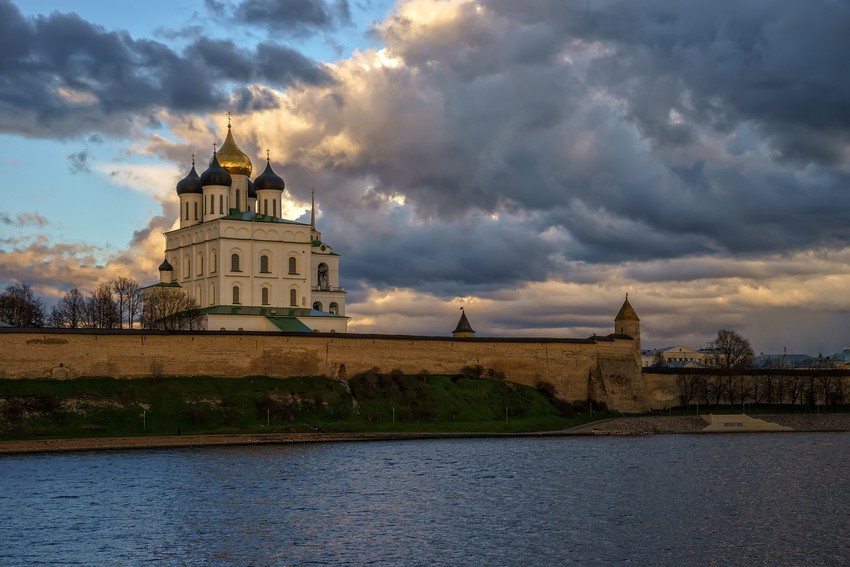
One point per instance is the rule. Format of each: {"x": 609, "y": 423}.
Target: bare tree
{"x": 69, "y": 311}
{"x": 101, "y": 308}
{"x": 129, "y": 298}
{"x": 170, "y": 309}
{"x": 730, "y": 350}
{"x": 20, "y": 307}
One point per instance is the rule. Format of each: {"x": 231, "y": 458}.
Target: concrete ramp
{"x": 739, "y": 423}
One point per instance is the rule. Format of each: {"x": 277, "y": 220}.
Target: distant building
{"x": 246, "y": 267}
{"x": 791, "y": 361}
{"x": 678, "y": 356}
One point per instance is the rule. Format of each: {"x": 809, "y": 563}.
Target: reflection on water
{"x": 717, "y": 500}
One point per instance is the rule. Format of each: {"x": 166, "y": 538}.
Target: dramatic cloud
{"x": 294, "y": 17}
{"x": 61, "y": 75}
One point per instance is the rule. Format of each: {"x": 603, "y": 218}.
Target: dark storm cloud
{"x": 597, "y": 133}
{"x": 650, "y": 130}
{"x": 60, "y": 75}
{"x": 294, "y": 17}
{"x": 776, "y": 63}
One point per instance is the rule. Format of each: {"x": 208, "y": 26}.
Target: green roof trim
{"x": 289, "y": 324}
{"x": 251, "y": 216}
{"x": 160, "y": 284}
{"x": 268, "y": 312}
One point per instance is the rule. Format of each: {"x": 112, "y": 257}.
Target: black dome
{"x": 215, "y": 175}
{"x": 190, "y": 184}
{"x": 165, "y": 266}
{"x": 252, "y": 190}
{"x": 268, "y": 179}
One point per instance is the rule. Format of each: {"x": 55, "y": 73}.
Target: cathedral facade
{"x": 245, "y": 266}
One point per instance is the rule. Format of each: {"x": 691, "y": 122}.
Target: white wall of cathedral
{"x": 243, "y": 263}
{"x": 238, "y": 193}
{"x": 216, "y": 201}
{"x": 269, "y": 202}
{"x": 191, "y": 209}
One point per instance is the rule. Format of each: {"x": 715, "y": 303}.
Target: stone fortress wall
{"x": 605, "y": 369}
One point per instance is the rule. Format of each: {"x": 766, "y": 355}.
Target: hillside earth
{"x": 371, "y": 402}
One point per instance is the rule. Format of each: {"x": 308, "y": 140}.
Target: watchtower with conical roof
{"x": 627, "y": 322}
{"x": 463, "y": 328}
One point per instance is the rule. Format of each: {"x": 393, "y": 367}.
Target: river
{"x": 739, "y": 499}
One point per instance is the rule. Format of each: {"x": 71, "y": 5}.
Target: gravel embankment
{"x": 811, "y": 422}
{"x": 687, "y": 424}
{"x": 642, "y": 426}
{"x": 618, "y": 426}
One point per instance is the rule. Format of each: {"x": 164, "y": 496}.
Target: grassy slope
{"x": 106, "y": 407}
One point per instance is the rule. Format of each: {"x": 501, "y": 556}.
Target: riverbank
{"x": 623, "y": 426}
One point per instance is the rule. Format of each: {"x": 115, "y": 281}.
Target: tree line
{"x": 119, "y": 303}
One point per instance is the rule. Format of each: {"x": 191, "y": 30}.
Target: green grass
{"x": 373, "y": 402}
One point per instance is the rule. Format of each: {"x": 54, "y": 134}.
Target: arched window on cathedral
{"x": 187, "y": 211}
{"x": 265, "y": 296}
{"x": 323, "y": 276}
{"x": 212, "y": 295}
{"x": 264, "y": 264}
{"x": 265, "y": 206}
{"x": 333, "y": 309}
{"x": 200, "y": 265}
{"x": 221, "y": 204}
{"x": 293, "y": 297}
{"x": 234, "y": 263}
{"x": 238, "y": 206}
{"x": 274, "y": 207}
{"x": 317, "y": 305}
{"x": 213, "y": 263}
{"x": 236, "y": 295}
{"x": 293, "y": 265}
{"x": 196, "y": 210}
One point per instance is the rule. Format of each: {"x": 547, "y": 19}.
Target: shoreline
{"x": 620, "y": 426}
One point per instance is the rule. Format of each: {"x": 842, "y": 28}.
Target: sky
{"x": 533, "y": 162}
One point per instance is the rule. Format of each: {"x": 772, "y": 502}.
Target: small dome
{"x": 165, "y": 266}
{"x": 190, "y": 184}
{"x": 252, "y": 190}
{"x": 231, "y": 158}
{"x": 268, "y": 179}
{"x": 215, "y": 175}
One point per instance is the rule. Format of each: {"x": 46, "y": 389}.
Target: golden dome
{"x": 231, "y": 158}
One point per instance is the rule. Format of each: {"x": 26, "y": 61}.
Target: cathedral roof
{"x": 251, "y": 216}
{"x": 268, "y": 179}
{"x": 627, "y": 312}
{"x": 463, "y": 325}
{"x": 190, "y": 184}
{"x": 165, "y": 266}
{"x": 215, "y": 174}
{"x": 231, "y": 158}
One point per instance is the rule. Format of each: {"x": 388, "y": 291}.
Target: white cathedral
{"x": 246, "y": 267}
